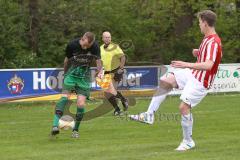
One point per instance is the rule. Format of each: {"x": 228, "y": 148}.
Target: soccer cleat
{"x": 117, "y": 113}
{"x": 55, "y": 131}
{"x": 144, "y": 117}
{"x": 75, "y": 134}
{"x": 185, "y": 145}
{"x": 125, "y": 104}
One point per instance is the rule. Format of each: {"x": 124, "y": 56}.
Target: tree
{"x": 35, "y": 33}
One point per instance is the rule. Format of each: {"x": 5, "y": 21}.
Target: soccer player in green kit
{"x": 79, "y": 54}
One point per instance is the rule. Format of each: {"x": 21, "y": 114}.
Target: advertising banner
{"x": 26, "y": 83}
{"x": 227, "y": 79}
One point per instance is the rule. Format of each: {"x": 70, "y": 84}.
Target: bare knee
{"x": 80, "y": 104}
{"x": 184, "y": 108}
{"x": 168, "y": 82}
{"x": 66, "y": 96}
{"x": 81, "y": 101}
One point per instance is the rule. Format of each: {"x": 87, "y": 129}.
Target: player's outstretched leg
{"x": 58, "y": 114}
{"x": 165, "y": 87}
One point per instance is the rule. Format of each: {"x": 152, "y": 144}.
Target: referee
{"x": 113, "y": 60}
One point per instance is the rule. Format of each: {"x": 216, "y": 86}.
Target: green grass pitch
{"x": 24, "y": 130}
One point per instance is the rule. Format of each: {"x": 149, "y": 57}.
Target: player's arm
{"x": 211, "y": 51}
{"x": 99, "y": 65}
{"x": 122, "y": 61}
{"x": 68, "y": 55}
{"x": 96, "y": 52}
{"x": 207, "y": 65}
{"x": 65, "y": 65}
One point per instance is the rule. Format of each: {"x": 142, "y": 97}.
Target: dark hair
{"x": 90, "y": 36}
{"x": 208, "y": 16}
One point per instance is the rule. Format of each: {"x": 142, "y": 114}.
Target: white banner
{"x": 227, "y": 79}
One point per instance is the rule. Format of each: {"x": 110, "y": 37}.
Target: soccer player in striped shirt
{"x": 193, "y": 78}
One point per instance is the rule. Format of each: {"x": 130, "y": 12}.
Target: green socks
{"x": 55, "y": 120}
{"x": 79, "y": 117}
{"x": 59, "y": 110}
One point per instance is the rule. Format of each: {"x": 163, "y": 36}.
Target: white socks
{"x": 157, "y": 99}
{"x": 187, "y": 120}
{"x": 187, "y": 124}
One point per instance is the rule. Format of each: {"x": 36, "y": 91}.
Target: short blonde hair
{"x": 90, "y": 36}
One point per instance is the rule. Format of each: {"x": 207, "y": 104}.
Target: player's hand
{"x": 120, "y": 71}
{"x": 195, "y": 52}
{"x": 180, "y": 64}
{"x": 100, "y": 74}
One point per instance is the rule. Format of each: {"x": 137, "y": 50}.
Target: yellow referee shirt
{"x": 111, "y": 56}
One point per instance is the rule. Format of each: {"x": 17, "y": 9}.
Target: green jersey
{"x": 77, "y": 77}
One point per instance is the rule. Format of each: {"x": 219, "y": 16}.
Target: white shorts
{"x": 193, "y": 91}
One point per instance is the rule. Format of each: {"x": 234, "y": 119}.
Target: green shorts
{"x": 78, "y": 80}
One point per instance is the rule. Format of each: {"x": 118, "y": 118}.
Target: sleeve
{"x": 96, "y": 50}
{"x": 119, "y": 51}
{"x": 212, "y": 49}
{"x": 198, "y": 53}
{"x": 68, "y": 51}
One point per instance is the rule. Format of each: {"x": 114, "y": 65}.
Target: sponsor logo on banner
{"x": 227, "y": 79}
{"x": 15, "y": 85}
{"x": 42, "y": 81}
{"x": 236, "y": 73}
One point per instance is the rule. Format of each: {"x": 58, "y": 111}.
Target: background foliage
{"x": 34, "y": 33}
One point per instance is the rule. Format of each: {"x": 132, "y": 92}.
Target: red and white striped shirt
{"x": 210, "y": 49}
